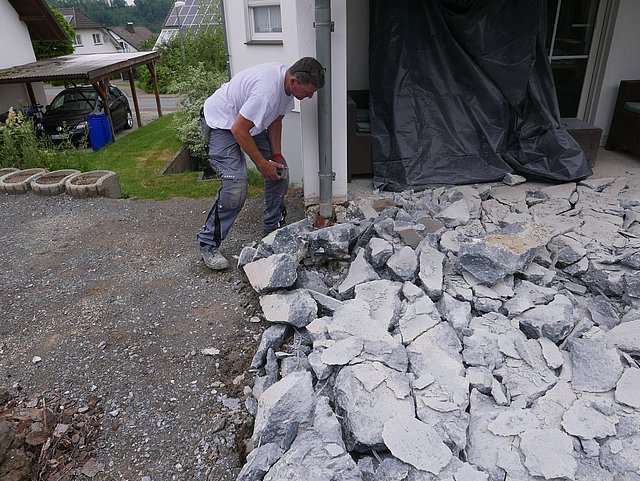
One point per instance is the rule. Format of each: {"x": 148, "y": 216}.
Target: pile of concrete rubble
{"x": 465, "y": 334}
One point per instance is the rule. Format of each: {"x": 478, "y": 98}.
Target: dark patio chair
{"x": 624, "y": 132}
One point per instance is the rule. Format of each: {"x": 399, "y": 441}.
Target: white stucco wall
{"x": 108, "y": 44}
{"x": 300, "y": 140}
{"x": 16, "y": 50}
{"x": 623, "y": 62}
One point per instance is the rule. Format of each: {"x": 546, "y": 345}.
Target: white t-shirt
{"x": 256, "y": 93}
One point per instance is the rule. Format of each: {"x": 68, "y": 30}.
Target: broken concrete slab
{"x": 296, "y": 307}
{"x": 595, "y": 368}
{"x": 272, "y": 273}
{"x": 548, "y": 453}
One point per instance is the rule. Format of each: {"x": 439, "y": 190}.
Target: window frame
{"x": 77, "y": 40}
{"x": 98, "y": 36}
{"x": 254, "y": 37}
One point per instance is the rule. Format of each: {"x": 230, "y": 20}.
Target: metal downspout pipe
{"x": 324, "y": 27}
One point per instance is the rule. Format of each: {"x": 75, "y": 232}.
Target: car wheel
{"x": 129, "y": 122}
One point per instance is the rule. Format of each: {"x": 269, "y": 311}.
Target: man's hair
{"x": 308, "y": 71}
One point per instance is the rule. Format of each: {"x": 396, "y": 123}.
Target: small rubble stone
{"x": 380, "y": 251}
{"x": 513, "y": 179}
{"x": 416, "y": 443}
{"x": 586, "y": 422}
{"x": 360, "y": 271}
{"x": 271, "y": 273}
{"x": 553, "y": 321}
{"x": 431, "y": 268}
{"x": 293, "y": 307}
{"x": 594, "y": 367}
{"x": 548, "y": 453}
{"x": 628, "y": 388}
{"x": 403, "y": 264}
{"x": 259, "y": 461}
{"x": 271, "y": 338}
{"x": 625, "y": 337}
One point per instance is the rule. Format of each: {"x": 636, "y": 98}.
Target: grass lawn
{"x": 138, "y": 157}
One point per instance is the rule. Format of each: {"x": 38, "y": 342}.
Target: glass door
{"x": 570, "y": 28}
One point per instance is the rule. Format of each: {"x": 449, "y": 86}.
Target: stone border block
{"x": 19, "y": 182}
{"x": 52, "y": 183}
{"x": 95, "y": 183}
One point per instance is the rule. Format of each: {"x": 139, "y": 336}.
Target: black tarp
{"x": 462, "y": 92}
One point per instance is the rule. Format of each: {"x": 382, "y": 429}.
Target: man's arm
{"x": 275, "y": 135}
{"x": 240, "y": 130}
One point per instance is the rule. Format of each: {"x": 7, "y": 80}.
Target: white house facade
{"x": 256, "y": 34}
{"x": 91, "y": 37}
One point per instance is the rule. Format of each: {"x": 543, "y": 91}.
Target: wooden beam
{"x": 102, "y": 88}
{"x": 132, "y": 84}
{"x": 152, "y": 68}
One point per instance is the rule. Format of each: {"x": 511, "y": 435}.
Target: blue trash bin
{"x": 99, "y": 130}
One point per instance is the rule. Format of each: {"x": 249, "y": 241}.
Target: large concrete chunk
{"x": 403, "y": 265}
{"x": 366, "y": 396}
{"x": 332, "y": 242}
{"x": 553, "y": 321}
{"x": 586, "y": 422}
{"x": 595, "y": 368}
{"x": 295, "y": 307}
{"x": 288, "y": 403}
{"x": 259, "y": 461}
{"x": 271, "y": 273}
{"x": 628, "y": 388}
{"x": 383, "y": 299}
{"x": 359, "y": 271}
{"x": 271, "y": 338}
{"x": 497, "y": 256}
{"x": 548, "y": 453}
{"x": 431, "y": 264}
{"x": 625, "y": 337}
{"x": 416, "y": 443}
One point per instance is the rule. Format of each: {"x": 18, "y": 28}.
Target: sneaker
{"x": 213, "y": 259}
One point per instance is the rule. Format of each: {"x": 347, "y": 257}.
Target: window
{"x": 97, "y": 39}
{"x": 264, "y": 20}
{"x": 77, "y": 42}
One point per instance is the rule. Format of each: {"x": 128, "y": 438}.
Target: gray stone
{"x": 289, "y": 401}
{"x": 456, "y": 214}
{"x": 602, "y": 312}
{"x": 625, "y": 337}
{"x": 418, "y": 316}
{"x": 411, "y": 233}
{"x": 513, "y": 422}
{"x": 259, "y": 461}
{"x": 359, "y": 271}
{"x": 551, "y": 353}
{"x": 317, "y": 454}
{"x": 553, "y": 321}
{"x": 294, "y": 363}
{"x": 631, "y": 283}
{"x": 290, "y": 239}
{"x": 538, "y": 274}
{"x": 535, "y": 293}
{"x": 274, "y": 272}
{"x": 403, "y": 264}
{"x": 294, "y": 307}
{"x": 479, "y": 378}
{"x": 595, "y": 367}
{"x": 621, "y": 456}
{"x": 271, "y": 338}
{"x": 342, "y": 352}
{"x": 383, "y": 299}
{"x": 513, "y": 179}
{"x": 431, "y": 264}
{"x": 416, "y": 443}
{"x": 379, "y": 252}
{"x": 566, "y": 250}
{"x": 483, "y": 305}
{"x": 246, "y": 256}
{"x": 628, "y": 388}
{"x": 312, "y": 280}
{"x": 332, "y": 242}
{"x": 327, "y": 305}
{"x": 586, "y": 422}
{"x": 320, "y": 369}
{"x": 548, "y": 453}
{"x": 457, "y": 313}
{"x": 363, "y": 411}
{"x": 497, "y": 256}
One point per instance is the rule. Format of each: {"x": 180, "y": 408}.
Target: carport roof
{"x": 89, "y": 68}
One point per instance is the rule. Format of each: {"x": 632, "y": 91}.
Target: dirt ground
{"x": 108, "y": 316}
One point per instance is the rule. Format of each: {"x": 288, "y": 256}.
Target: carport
{"x": 95, "y": 69}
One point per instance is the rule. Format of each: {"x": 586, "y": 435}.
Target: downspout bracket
{"x": 331, "y": 25}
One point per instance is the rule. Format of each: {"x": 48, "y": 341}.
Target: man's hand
{"x": 270, "y": 170}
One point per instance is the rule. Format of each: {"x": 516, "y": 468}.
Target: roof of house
{"x": 40, "y": 21}
{"x": 135, "y": 38}
{"x": 79, "y": 20}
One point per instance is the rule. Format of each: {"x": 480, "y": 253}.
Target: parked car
{"x": 66, "y": 115}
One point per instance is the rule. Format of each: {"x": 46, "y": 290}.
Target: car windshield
{"x": 75, "y": 100}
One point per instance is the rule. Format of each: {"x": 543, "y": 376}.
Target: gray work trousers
{"x": 227, "y": 159}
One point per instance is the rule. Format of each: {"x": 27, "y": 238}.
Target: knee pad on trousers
{"x": 233, "y": 194}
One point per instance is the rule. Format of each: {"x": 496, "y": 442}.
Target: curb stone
{"x": 19, "y": 182}
{"x": 52, "y": 183}
{"x": 94, "y": 184}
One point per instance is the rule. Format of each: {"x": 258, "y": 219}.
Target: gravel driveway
{"x": 109, "y": 298}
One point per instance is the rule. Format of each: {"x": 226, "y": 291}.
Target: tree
{"x": 55, "y": 48}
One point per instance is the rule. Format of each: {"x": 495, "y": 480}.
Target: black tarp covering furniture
{"x": 462, "y": 92}
{"x": 624, "y": 132}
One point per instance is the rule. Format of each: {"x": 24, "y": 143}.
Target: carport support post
{"x": 32, "y": 95}
{"x": 152, "y": 68}
{"x": 132, "y": 84}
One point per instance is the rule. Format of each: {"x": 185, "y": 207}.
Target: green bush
{"x": 194, "y": 85}
{"x": 188, "y": 49}
{"x": 48, "y": 49}
{"x": 20, "y": 147}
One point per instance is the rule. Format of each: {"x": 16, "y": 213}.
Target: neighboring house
{"x": 188, "y": 15}
{"x": 282, "y": 30}
{"x": 130, "y": 38}
{"x": 91, "y": 37}
{"x": 22, "y": 21}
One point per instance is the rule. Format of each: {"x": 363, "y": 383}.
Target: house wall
{"x": 623, "y": 62}
{"x": 107, "y": 46}
{"x": 17, "y": 50}
{"x": 300, "y": 132}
